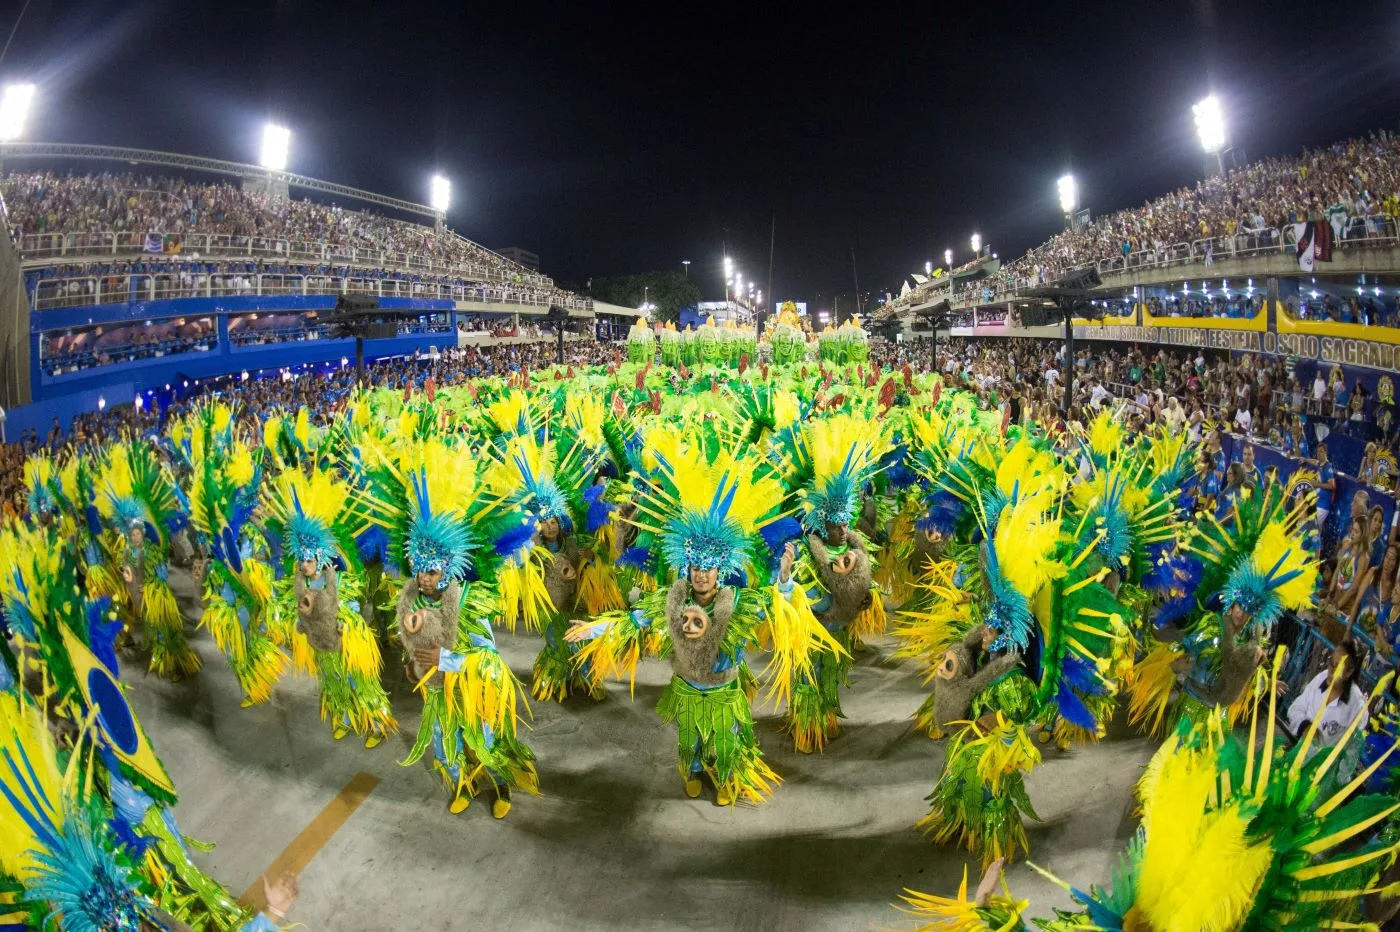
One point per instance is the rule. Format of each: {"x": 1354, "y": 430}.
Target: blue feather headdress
{"x": 707, "y": 539}
{"x": 436, "y": 541}
{"x": 1256, "y": 591}
{"x": 308, "y": 538}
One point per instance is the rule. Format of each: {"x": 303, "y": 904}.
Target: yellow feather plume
{"x": 1028, "y": 470}
{"x": 28, "y": 749}
{"x": 1025, "y": 545}
{"x": 584, "y": 416}
{"x": 1106, "y": 434}
{"x": 38, "y": 470}
{"x": 1276, "y": 547}
{"x": 1199, "y": 872}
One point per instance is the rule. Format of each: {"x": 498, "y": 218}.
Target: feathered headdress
{"x": 306, "y": 513}
{"x": 138, "y": 492}
{"x": 706, "y": 512}
{"x": 832, "y": 459}
{"x": 38, "y": 479}
{"x": 1277, "y": 575}
{"x": 1258, "y": 562}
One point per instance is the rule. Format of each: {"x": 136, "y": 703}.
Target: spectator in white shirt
{"x": 1243, "y": 420}
{"x": 1333, "y": 700}
{"x": 1319, "y": 386}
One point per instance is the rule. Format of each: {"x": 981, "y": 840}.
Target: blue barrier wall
{"x": 69, "y": 394}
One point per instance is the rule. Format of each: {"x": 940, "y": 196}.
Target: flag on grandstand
{"x": 906, "y": 289}
{"x": 170, "y": 243}
{"x": 1314, "y": 241}
{"x": 154, "y": 243}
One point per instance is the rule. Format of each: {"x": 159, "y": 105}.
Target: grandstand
{"x": 122, "y": 280}
{"x": 1242, "y": 226}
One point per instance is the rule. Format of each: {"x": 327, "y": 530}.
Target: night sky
{"x": 613, "y": 141}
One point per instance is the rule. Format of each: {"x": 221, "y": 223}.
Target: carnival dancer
{"x": 828, "y": 462}
{"x": 225, "y": 479}
{"x": 317, "y": 602}
{"x": 141, "y": 510}
{"x": 1212, "y": 636}
{"x": 711, "y": 515}
{"x": 450, "y": 539}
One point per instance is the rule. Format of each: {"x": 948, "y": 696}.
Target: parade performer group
{"x": 755, "y": 515}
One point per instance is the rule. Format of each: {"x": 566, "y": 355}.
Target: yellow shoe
{"x": 373, "y": 741}
{"x": 500, "y": 807}
{"x": 459, "y": 803}
{"x": 724, "y": 796}
{"x": 339, "y": 732}
{"x": 693, "y": 787}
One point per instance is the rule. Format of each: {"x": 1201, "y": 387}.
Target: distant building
{"x": 531, "y": 260}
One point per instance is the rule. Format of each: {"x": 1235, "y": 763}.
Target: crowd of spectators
{"x": 1353, "y": 185}
{"x": 1343, "y": 183}
{"x": 1240, "y": 305}
{"x": 173, "y": 277}
{"x": 1367, "y": 309}
{"x": 50, "y": 203}
{"x": 322, "y": 392}
{"x": 291, "y": 246}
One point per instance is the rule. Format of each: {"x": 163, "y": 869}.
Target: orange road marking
{"x": 313, "y": 838}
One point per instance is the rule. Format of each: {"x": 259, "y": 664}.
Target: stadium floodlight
{"x": 977, "y": 244}
{"x": 14, "y": 108}
{"x": 948, "y": 259}
{"x": 928, "y": 267}
{"x": 1069, "y": 194}
{"x": 440, "y": 194}
{"x": 1210, "y": 124}
{"x": 276, "y": 143}
{"x": 728, "y": 266}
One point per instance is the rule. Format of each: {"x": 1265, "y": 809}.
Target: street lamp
{"x": 14, "y": 109}
{"x": 440, "y": 194}
{"x": 977, "y": 245}
{"x": 1069, "y": 197}
{"x": 276, "y": 143}
{"x": 686, "y": 263}
{"x": 1210, "y": 127}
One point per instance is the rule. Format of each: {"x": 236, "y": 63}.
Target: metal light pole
{"x": 686, "y": 263}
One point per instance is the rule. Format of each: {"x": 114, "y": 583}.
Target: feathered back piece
{"x": 310, "y": 516}
{"x": 52, "y": 841}
{"x": 1258, "y": 561}
{"x": 1250, "y": 835}
{"x": 706, "y": 511}
{"x": 1122, "y": 517}
{"x": 830, "y": 460}
{"x": 136, "y": 491}
{"x": 39, "y": 478}
{"x": 1018, "y": 560}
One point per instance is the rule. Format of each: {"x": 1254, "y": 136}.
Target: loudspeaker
{"x": 1085, "y": 279}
